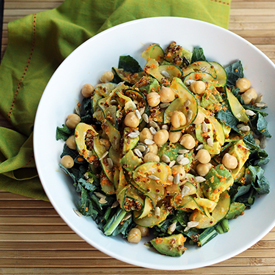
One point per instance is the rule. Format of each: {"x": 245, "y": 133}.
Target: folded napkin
{"x": 38, "y": 43}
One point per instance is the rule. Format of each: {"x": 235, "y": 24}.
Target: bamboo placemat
{"x": 35, "y": 240}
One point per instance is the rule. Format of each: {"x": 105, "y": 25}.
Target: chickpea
{"x": 249, "y": 95}
{"x": 153, "y": 148}
{"x": 198, "y": 87}
{"x": 87, "y": 90}
{"x": 203, "y": 168}
{"x": 153, "y": 99}
{"x": 199, "y": 119}
{"x": 188, "y": 141}
{"x": 131, "y": 120}
{"x": 143, "y": 230}
{"x": 134, "y": 235}
{"x": 145, "y": 134}
{"x": 151, "y": 157}
{"x": 72, "y": 120}
{"x": 166, "y": 94}
{"x": 67, "y": 161}
{"x": 243, "y": 84}
{"x": 178, "y": 119}
{"x": 229, "y": 161}
{"x": 70, "y": 142}
{"x": 178, "y": 169}
{"x": 161, "y": 137}
{"x": 174, "y": 137}
{"x": 203, "y": 156}
{"x": 107, "y": 77}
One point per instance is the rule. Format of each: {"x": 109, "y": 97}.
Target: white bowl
{"x": 85, "y": 65}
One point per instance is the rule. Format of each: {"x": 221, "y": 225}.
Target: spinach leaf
{"x": 124, "y": 228}
{"x": 86, "y": 206}
{"x": 258, "y": 156}
{"x": 258, "y": 180}
{"x": 179, "y": 216}
{"x": 86, "y": 106}
{"x": 87, "y": 119}
{"x": 129, "y": 64}
{"x": 249, "y": 141}
{"x": 116, "y": 79}
{"x": 259, "y": 125}
{"x": 248, "y": 198}
{"x": 234, "y": 71}
{"x": 96, "y": 202}
{"x": 76, "y": 174}
{"x": 262, "y": 185}
{"x": 72, "y": 172}
{"x": 261, "y": 161}
{"x": 63, "y": 132}
{"x": 78, "y": 159}
{"x": 235, "y": 92}
{"x": 198, "y": 55}
{"x": 161, "y": 229}
{"x": 86, "y": 114}
{"x": 238, "y": 190}
{"x": 87, "y": 185}
{"x": 95, "y": 178}
{"x": 68, "y": 151}
{"x": 228, "y": 119}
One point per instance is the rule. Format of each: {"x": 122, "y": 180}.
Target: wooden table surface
{"x": 35, "y": 240}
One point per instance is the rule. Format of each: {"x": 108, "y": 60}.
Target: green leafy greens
{"x": 198, "y": 55}
{"x": 234, "y": 71}
{"x": 63, "y": 132}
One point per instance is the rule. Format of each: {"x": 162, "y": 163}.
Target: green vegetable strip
{"x": 109, "y": 222}
{"x": 225, "y": 225}
{"x": 207, "y": 235}
{"x": 107, "y": 214}
{"x": 219, "y": 229}
{"x": 250, "y": 199}
{"x": 95, "y": 200}
{"x": 115, "y": 222}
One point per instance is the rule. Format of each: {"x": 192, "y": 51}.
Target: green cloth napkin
{"x": 38, "y": 43}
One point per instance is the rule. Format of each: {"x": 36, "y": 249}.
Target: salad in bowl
{"x": 173, "y": 150}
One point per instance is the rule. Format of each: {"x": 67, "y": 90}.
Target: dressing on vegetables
{"x": 176, "y": 146}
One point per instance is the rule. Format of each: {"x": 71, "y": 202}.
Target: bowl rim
{"x": 63, "y": 216}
